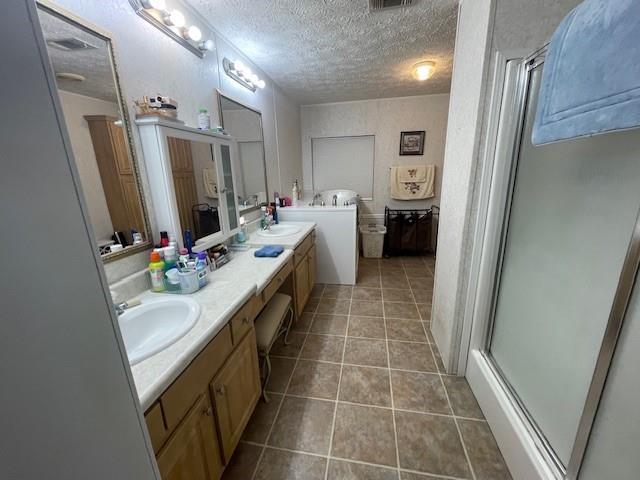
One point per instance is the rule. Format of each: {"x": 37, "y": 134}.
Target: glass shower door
{"x": 572, "y": 211}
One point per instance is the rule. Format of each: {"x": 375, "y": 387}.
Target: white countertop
{"x": 288, "y": 241}
{"x": 227, "y": 290}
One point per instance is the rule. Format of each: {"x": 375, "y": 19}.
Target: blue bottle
{"x": 201, "y": 268}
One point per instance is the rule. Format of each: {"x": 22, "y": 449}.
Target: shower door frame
{"x": 526, "y": 450}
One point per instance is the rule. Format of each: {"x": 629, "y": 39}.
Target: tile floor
{"x": 360, "y": 393}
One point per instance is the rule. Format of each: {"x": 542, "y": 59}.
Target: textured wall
{"x": 150, "y": 62}
{"x": 518, "y": 26}
{"x": 289, "y": 145}
{"x": 385, "y": 118}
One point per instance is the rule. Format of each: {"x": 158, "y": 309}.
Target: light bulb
{"x": 254, "y": 79}
{"x": 261, "y": 84}
{"x": 207, "y": 45}
{"x": 423, "y": 70}
{"x": 155, "y": 4}
{"x": 175, "y": 18}
{"x": 193, "y": 33}
{"x": 239, "y": 66}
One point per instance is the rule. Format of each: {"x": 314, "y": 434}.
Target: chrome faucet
{"x": 334, "y": 202}
{"x": 316, "y": 197}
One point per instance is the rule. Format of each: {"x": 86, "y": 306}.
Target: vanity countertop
{"x": 227, "y": 290}
{"x": 288, "y": 241}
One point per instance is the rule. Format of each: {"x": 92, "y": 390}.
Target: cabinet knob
{"x": 220, "y": 390}
{"x": 208, "y": 412}
{"x": 245, "y": 320}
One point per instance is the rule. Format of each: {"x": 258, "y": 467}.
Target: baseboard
{"x": 516, "y": 444}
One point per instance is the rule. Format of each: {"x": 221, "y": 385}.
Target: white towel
{"x": 412, "y": 189}
{"x": 210, "y": 182}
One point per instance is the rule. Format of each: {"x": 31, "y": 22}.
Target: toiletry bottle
{"x": 156, "y": 272}
{"x": 204, "y": 120}
{"x": 241, "y": 236}
{"x": 294, "y": 193}
{"x": 201, "y": 268}
{"x": 276, "y": 198}
{"x": 184, "y": 256}
{"x": 274, "y": 212}
{"x": 164, "y": 239}
{"x": 263, "y": 218}
{"x": 188, "y": 240}
{"x": 136, "y": 236}
{"x": 170, "y": 258}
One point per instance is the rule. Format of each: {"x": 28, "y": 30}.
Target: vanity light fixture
{"x": 423, "y": 70}
{"x": 242, "y": 74}
{"x": 164, "y": 15}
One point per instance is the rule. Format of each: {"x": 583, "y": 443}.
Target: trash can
{"x": 372, "y": 240}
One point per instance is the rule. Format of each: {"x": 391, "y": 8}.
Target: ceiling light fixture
{"x": 154, "y": 4}
{"x": 175, "y": 18}
{"x": 242, "y": 74}
{"x": 423, "y": 70}
{"x": 193, "y": 33}
{"x": 207, "y": 45}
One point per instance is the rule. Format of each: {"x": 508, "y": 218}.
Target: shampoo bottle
{"x": 156, "y": 272}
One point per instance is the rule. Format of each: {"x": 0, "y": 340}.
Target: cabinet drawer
{"x": 182, "y": 393}
{"x": 242, "y": 321}
{"x": 302, "y": 249}
{"x": 155, "y": 424}
{"x": 275, "y": 284}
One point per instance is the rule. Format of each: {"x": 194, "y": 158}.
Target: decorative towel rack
{"x": 410, "y": 231}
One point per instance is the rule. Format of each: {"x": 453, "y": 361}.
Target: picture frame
{"x": 412, "y": 143}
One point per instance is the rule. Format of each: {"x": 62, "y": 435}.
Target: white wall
{"x": 150, "y": 62}
{"x": 75, "y": 107}
{"x": 385, "y": 118}
{"x": 288, "y": 120}
{"x": 485, "y": 27}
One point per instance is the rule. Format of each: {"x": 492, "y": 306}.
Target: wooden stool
{"x": 269, "y": 326}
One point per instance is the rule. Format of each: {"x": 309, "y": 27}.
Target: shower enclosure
{"x": 559, "y": 259}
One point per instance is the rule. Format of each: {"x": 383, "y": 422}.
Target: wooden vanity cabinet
{"x": 235, "y": 392}
{"x": 304, "y": 272}
{"x": 192, "y": 452}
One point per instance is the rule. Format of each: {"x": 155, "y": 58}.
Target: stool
{"x": 269, "y": 326}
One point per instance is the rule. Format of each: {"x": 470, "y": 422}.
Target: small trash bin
{"x": 372, "y": 240}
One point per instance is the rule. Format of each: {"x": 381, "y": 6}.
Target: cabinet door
{"x": 302, "y": 284}
{"x": 192, "y": 452}
{"x": 226, "y": 181}
{"x": 235, "y": 392}
{"x": 311, "y": 256}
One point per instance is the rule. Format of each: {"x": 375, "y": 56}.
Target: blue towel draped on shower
{"x": 591, "y": 77}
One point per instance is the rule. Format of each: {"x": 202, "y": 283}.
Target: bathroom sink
{"x": 279, "y": 231}
{"x": 156, "y": 324}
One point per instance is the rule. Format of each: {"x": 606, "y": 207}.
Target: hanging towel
{"x": 412, "y": 189}
{"x": 210, "y": 183}
{"x": 269, "y": 251}
{"x": 591, "y": 77}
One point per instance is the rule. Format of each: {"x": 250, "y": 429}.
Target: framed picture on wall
{"x": 412, "y": 143}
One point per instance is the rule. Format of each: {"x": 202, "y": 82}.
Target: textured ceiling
{"x": 322, "y": 51}
{"x": 93, "y": 64}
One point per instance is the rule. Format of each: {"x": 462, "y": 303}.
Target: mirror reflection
{"x": 88, "y": 92}
{"x": 196, "y": 186}
{"x": 245, "y": 125}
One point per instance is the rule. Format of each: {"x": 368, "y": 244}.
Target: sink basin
{"x": 279, "y": 231}
{"x": 156, "y": 324}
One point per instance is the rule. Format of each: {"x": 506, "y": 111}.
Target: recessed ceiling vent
{"x": 377, "y": 5}
{"x": 70, "y": 44}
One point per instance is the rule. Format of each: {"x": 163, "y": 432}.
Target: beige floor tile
{"x": 395, "y": 282}
{"x": 303, "y": 323}
{"x": 427, "y": 330}
{"x": 366, "y": 308}
{"x": 369, "y": 327}
{"x": 283, "y": 465}
{"x": 368, "y": 262}
{"x": 364, "y": 434}
{"x": 423, "y": 296}
{"x": 462, "y": 399}
{"x": 431, "y": 444}
{"x": 421, "y": 283}
{"x": 411, "y": 356}
{"x": 368, "y": 294}
{"x": 296, "y": 340}
{"x": 330, "y": 324}
{"x": 439, "y": 363}
{"x": 368, "y": 280}
{"x": 425, "y": 311}
{"x": 323, "y": 347}
{"x": 303, "y": 424}
{"x": 334, "y": 306}
{"x": 366, "y": 385}
{"x": 281, "y": 370}
{"x": 405, "y": 311}
{"x": 311, "y": 305}
{"x": 408, "y": 330}
{"x": 343, "y": 470}
{"x": 243, "y": 462}
{"x": 421, "y": 392}
{"x": 397, "y": 295}
{"x": 263, "y": 416}
{"x": 361, "y": 351}
{"x": 485, "y": 457}
{"x": 316, "y": 291}
{"x": 315, "y": 379}
{"x": 417, "y": 476}
{"x": 337, "y": 291}
{"x": 417, "y": 272}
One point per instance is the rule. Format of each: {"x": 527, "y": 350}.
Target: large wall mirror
{"x": 245, "y": 124}
{"x": 98, "y": 128}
